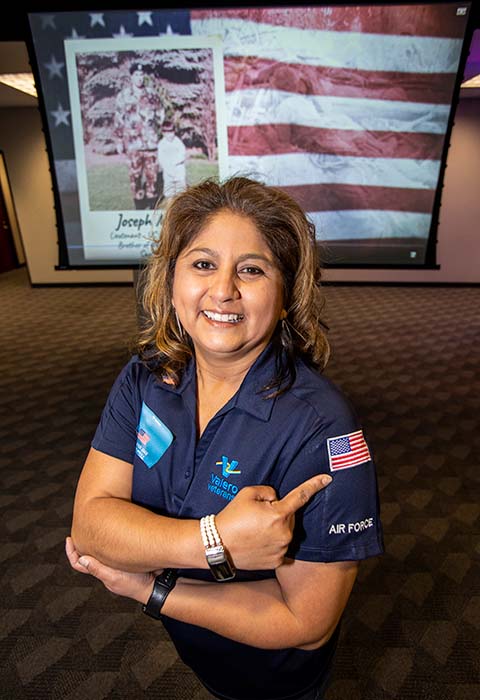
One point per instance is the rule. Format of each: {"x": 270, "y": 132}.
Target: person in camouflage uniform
{"x": 139, "y": 115}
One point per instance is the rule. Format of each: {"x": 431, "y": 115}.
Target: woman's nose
{"x": 224, "y": 287}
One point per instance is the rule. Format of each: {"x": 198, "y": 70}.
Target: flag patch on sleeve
{"x": 345, "y": 451}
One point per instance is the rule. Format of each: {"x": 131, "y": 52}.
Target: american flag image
{"x": 346, "y": 108}
{"x": 143, "y": 436}
{"x": 345, "y": 451}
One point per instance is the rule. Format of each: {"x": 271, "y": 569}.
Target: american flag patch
{"x": 345, "y": 451}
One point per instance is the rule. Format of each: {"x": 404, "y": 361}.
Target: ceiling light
{"x": 20, "y": 81}
{"x": 472, "y": 83}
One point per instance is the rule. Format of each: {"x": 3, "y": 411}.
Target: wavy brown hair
{"x": 163, "y": 344}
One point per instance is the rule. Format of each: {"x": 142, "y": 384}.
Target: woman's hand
{"x": 256, "y": 528}
{"x": 136, "y": 586}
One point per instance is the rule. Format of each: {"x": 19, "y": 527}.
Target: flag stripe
{"x": 369, "y": 223}
{"x": 353, "y": 50}
{"x": 356, "y": 454}
{"x": 294, "y": 138}
{"x": 338, "y": 196}
{"x": 246, "y": 72}
{"x": 313, "y": 168}
{"x": 253, "y": 107}
{"x": 352, "y": 461}
{"x": 425, "y": 21}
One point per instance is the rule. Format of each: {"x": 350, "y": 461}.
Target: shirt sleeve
{"x": 116, "y": 433}
{"x": 341, "y": 522}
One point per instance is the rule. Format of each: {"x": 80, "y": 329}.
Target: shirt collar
{"x": 187, "y": 387}
{"x": 250, "y": 397}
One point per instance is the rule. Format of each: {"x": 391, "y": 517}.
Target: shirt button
{"x": 187, "y": 474}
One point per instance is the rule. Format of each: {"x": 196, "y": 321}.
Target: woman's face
{"x": 227, "y": 290}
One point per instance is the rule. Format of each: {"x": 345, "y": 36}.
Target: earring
{"x": 285, "y": 332}
{"x": 180, "y": 329}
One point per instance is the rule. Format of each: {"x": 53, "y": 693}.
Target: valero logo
{"x": 228, "y": 467}
{"x": 219, "y": 485}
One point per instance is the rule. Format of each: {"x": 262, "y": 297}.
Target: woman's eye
{"x": 251, "y": 270}
{"x": 203, "y": 265}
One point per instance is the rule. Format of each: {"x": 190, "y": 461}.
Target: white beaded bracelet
{"x": 209, "y": 531}
{"x": 217, "y": 559}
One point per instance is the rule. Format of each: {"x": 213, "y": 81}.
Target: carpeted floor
{"x": 409, "y": 358}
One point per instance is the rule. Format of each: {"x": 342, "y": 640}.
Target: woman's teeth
{"x": 223, "y": 318}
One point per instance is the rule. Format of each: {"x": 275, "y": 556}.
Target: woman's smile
{"x": 223, "y": 317}
{"x": 227, "y": 289}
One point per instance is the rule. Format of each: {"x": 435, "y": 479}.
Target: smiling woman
{"x": 213, "y": 452}
{"x": 280, "y": 246}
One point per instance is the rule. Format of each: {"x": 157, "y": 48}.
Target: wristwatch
{"x": 218, "y": 560}
{"x": 162, "y": 586}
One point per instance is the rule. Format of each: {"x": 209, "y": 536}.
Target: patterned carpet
{"x": 409, "y": 358}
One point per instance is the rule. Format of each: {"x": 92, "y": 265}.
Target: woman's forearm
{"x": 253, "y": 612}
{"x": 255, "y": 527}
{"x": 131, "y": 538}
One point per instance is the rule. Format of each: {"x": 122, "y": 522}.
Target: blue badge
{"x": 153, "y": 437}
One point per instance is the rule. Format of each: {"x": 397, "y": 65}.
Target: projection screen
{"x": 349, "y": 109}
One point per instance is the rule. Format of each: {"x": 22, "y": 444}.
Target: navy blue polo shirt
{"x": 281, "y": 441}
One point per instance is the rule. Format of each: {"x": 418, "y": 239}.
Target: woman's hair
{"x": 164, "y": 345}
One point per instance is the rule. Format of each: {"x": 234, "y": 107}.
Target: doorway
{"x": 11, "y": 250}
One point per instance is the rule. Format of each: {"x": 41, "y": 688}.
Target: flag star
{"x": 54, "y": 68}
{"x": 122, "y": 33}
{"x": 74, "y": 35}
{"x": 48, "y": 21}
{"x": 60, "y": 115}
{"x": 144, "y": 18}
{"x": 97, "y": 18}
{"x": 168, "y": 30}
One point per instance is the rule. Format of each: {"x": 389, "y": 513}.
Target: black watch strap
{"x": 162, "y": 586}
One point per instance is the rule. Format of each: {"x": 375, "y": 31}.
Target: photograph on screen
{"x": 145, "y": 126}
{"x": 347, "y": 108}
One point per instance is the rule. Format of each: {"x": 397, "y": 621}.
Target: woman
{"x": 213, "y": 454}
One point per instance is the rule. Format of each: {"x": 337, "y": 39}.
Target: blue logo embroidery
{"x": 228, "y": 467}
{"x": 222, "y": 487}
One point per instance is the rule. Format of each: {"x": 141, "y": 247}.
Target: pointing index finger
{"x": 300, "y": 495}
